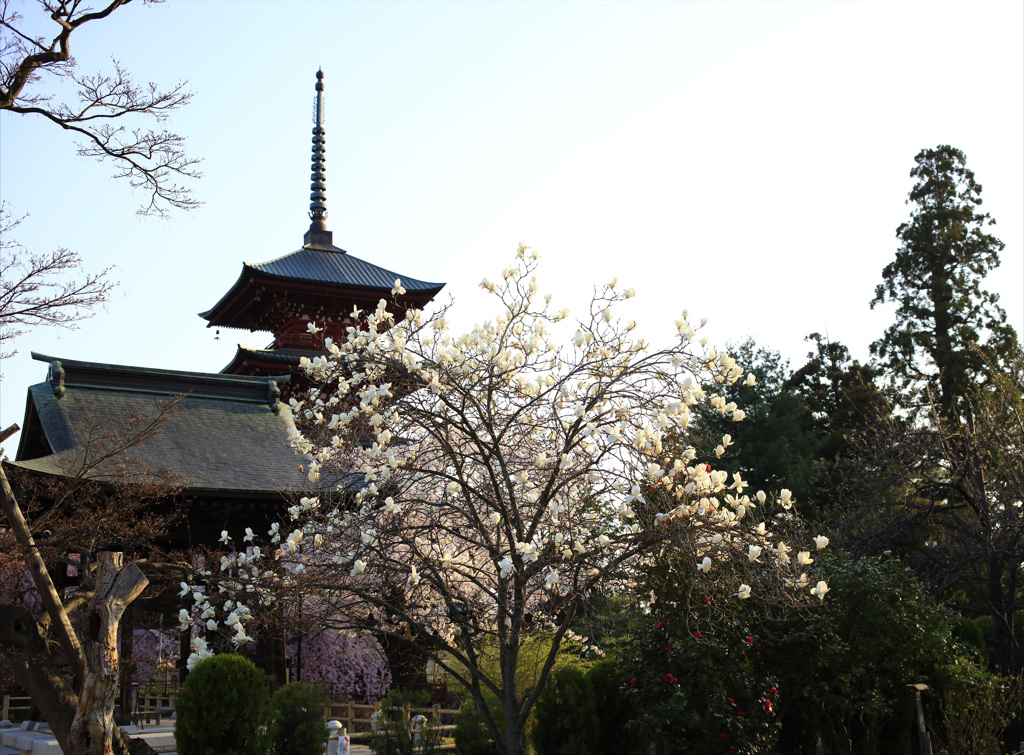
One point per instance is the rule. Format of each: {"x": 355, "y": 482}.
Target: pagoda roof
{"x": 328, "y": 268}
{"x": 275, "y": 358}
{"x": 337, "y": 267}
{"x": 229, "y": 436}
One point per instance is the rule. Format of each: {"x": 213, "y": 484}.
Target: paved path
{"x": 40, "y": 741}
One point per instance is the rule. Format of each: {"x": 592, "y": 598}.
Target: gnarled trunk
{"x": 93, "y": 730}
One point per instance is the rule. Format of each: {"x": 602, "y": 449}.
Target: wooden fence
{"x": 356, "y": 717}
{"x": 15, "y": 709}
{"x": 167, "y": 701}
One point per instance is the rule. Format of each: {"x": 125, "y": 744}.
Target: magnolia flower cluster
{"x": 489, "y": 473}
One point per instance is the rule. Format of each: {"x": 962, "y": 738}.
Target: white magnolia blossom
{"x": 479, "y": 477}
{"x": 786, "y": 499}
{"x": 820, "y": 589}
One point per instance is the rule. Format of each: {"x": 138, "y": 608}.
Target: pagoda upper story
{"x": 319, "y": 283}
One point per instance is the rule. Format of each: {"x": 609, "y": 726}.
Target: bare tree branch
{"x": 34, "y": 291}
{"x": 153, "y": 160}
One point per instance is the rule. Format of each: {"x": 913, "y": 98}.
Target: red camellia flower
{"x": 659, "y": 625}
{"x": 768, "y": 706}
{"x": 722, "y": 736}
{"x": 696, "y": 635}
{"x": 730, "y": 699}
{"x": 773, "y": 691}
{"x": 750, "y": 640}
{"x": 632, "y": 682}
{"x": 707, "y": 467}
{"x": 670, "y": 678}
{"x": 668, "y": 650}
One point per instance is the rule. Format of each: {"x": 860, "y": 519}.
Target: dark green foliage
{"x": 297, "y": 725}
{"x": 968, "y": 633}
{"x": 565, "y": 717}
{"x": 698, "y": 691}
{"x": 839, "y": 391}
{"x": 471, "y": 735}
{"x": 935, "y": 281}
{"x": 977, "y": 633}
{"x": 776, "y": 446}
{"x": 222, "y": 708}
{"x": 405, "y": 698}
{"x": 613, "y": 709}
{"x": 976, "y": 707}
{"x": 843, "y": 671}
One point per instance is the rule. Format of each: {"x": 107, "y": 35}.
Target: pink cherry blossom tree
{"x": 350, "y": 666}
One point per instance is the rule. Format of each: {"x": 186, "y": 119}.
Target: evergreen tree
{"x": 946, "y": 477}
{"x": 845, "y": 402}
{"x": 935, "y": 281}
{"x": 840, "y": 392}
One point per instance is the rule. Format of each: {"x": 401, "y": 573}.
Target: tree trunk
{"x": 25, "y": 650}
{"x": 93, "y": 731}
{"x": 41, "y": 577}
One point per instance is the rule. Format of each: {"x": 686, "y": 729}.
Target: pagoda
{"x": 319, "y": 283}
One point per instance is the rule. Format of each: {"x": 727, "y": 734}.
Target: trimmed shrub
{"x": 222, "y": 709}
{"x": 613, "y": 709}
{"x": 297, "y": 724}
{"x": 556, "y": 731}
{"x": 471, "y": 734}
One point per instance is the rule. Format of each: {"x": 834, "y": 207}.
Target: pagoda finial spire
{"x": 318, "y": 235}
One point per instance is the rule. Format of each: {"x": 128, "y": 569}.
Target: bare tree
{"x": 34, "y": 289}
{"x": 98, "y": 506}
{"x": 105, "y": 113}
{"x": 944, "y": 494}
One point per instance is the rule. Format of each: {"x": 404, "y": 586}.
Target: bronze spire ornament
{"x": 318, "y": 235}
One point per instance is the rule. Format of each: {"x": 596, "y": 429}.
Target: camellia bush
{"x": 690, "y": 670}
{"x": 477, "y": 487}
{"x": 698, "y": 693}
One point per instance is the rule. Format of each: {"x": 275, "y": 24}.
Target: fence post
{"x": 5, "y": 708}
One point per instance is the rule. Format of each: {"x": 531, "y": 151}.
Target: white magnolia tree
{"x": 479, "y": 487}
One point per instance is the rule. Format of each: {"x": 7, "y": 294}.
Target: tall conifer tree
{"x": 935, "y": 280}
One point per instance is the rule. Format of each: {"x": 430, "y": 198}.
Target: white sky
{"x": 747, "y": 161}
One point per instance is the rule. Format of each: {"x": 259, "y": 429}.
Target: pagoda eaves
{"x": 322, "y": 285}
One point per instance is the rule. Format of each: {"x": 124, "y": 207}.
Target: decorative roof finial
{"x": 318, "y": 234}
